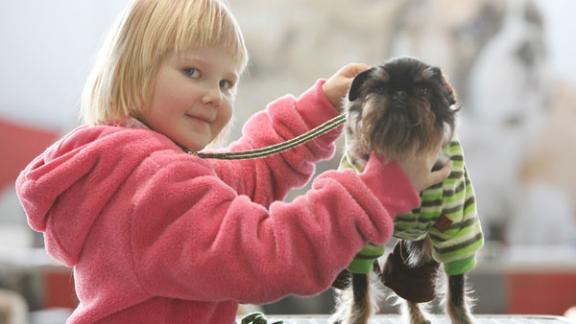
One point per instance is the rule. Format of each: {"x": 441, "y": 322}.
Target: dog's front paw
{"x": 463, "y": 318}
{"x": 420, "y": 321}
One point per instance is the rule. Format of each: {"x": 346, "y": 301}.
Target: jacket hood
{"x": 65, "y": 189}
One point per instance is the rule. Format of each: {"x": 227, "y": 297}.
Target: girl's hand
{"x": 418, "y": 168}
{"x": 336, "y": 87}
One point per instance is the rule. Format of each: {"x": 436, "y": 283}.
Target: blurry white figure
{"x": 507, "y": 91}
{"x": 544, "y": 216}
{"x": 494, "y": 53}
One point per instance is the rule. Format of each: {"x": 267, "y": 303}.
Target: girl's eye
{"x": 226, "y": 84}
{"x": 193, "y": 73}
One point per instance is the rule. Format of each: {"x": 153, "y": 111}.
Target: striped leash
{"x": 277, "y": 148}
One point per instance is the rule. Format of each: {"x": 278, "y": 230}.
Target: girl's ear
{"x": 357, "y": 83}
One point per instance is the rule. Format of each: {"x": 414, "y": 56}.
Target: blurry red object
{"x": 19, "y": 144}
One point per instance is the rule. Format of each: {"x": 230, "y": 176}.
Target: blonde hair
{"x": 123, "y": 77}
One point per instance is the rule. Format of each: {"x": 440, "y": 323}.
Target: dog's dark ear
{"x": 357, "y": 83}
{"x": 435, "y": 73}
{"x": 451, "y": 94}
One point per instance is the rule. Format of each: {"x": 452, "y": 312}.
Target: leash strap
{"x": 277, "y": 148}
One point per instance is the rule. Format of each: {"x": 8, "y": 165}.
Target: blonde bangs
{"x": 196, "y": 24}
{"x": 217, "y": 28}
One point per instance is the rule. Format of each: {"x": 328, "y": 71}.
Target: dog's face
{"x": 402, "y": 107}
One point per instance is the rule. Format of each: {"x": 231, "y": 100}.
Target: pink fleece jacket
{"x": 155, "y": 235}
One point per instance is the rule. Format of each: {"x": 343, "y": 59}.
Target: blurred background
{"x": 511, "y": 62}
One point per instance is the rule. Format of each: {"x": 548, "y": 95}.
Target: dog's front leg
{"x": 456, "y": 304}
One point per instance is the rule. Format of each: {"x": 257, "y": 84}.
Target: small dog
{"x": 404, "y": 107}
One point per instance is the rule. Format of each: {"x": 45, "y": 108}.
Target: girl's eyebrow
{"x": 183, "y": 58}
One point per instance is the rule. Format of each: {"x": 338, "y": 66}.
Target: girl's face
{"x": 193, "y": 97}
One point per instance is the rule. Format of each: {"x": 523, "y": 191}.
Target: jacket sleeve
{"x": 194, "y": 237}
{"x": 265, "y": 180}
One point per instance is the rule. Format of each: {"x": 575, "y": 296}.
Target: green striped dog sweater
{"x": 447, "y": 214}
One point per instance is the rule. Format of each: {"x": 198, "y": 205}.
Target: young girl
{"x": 157, "y": 235}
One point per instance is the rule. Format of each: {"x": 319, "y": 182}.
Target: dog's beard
{"x": 398, "y": 129}
{"x": 395, "y": 130}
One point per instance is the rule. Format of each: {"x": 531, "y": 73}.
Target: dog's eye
{"x": 381, "y": 90}
{"x": 423, "y": 91}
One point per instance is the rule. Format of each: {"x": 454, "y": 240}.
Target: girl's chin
{"x": 195, "y": 140}
{"x": 194, "y": 146}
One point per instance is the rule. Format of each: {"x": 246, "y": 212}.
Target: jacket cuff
{"x": 363, "y": 262}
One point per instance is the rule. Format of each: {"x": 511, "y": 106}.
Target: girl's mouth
{"x": 199, "y": 118}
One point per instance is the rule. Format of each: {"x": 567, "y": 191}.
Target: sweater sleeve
{"x": 457, "y": 234}
{"x": 268, "y": 179}
{"x": 194, "y": 237}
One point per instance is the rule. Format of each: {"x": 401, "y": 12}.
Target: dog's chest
{"x": 443, "y": 207}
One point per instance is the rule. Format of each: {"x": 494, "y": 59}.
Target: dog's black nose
{"x": 400, "y": 96}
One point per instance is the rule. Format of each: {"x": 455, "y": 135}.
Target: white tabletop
{"x": 435, "y": 319}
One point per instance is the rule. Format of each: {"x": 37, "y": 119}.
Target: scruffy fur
{"x": 402, "y": 107}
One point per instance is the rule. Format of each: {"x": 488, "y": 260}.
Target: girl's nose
{"x": 213, "y": 95}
